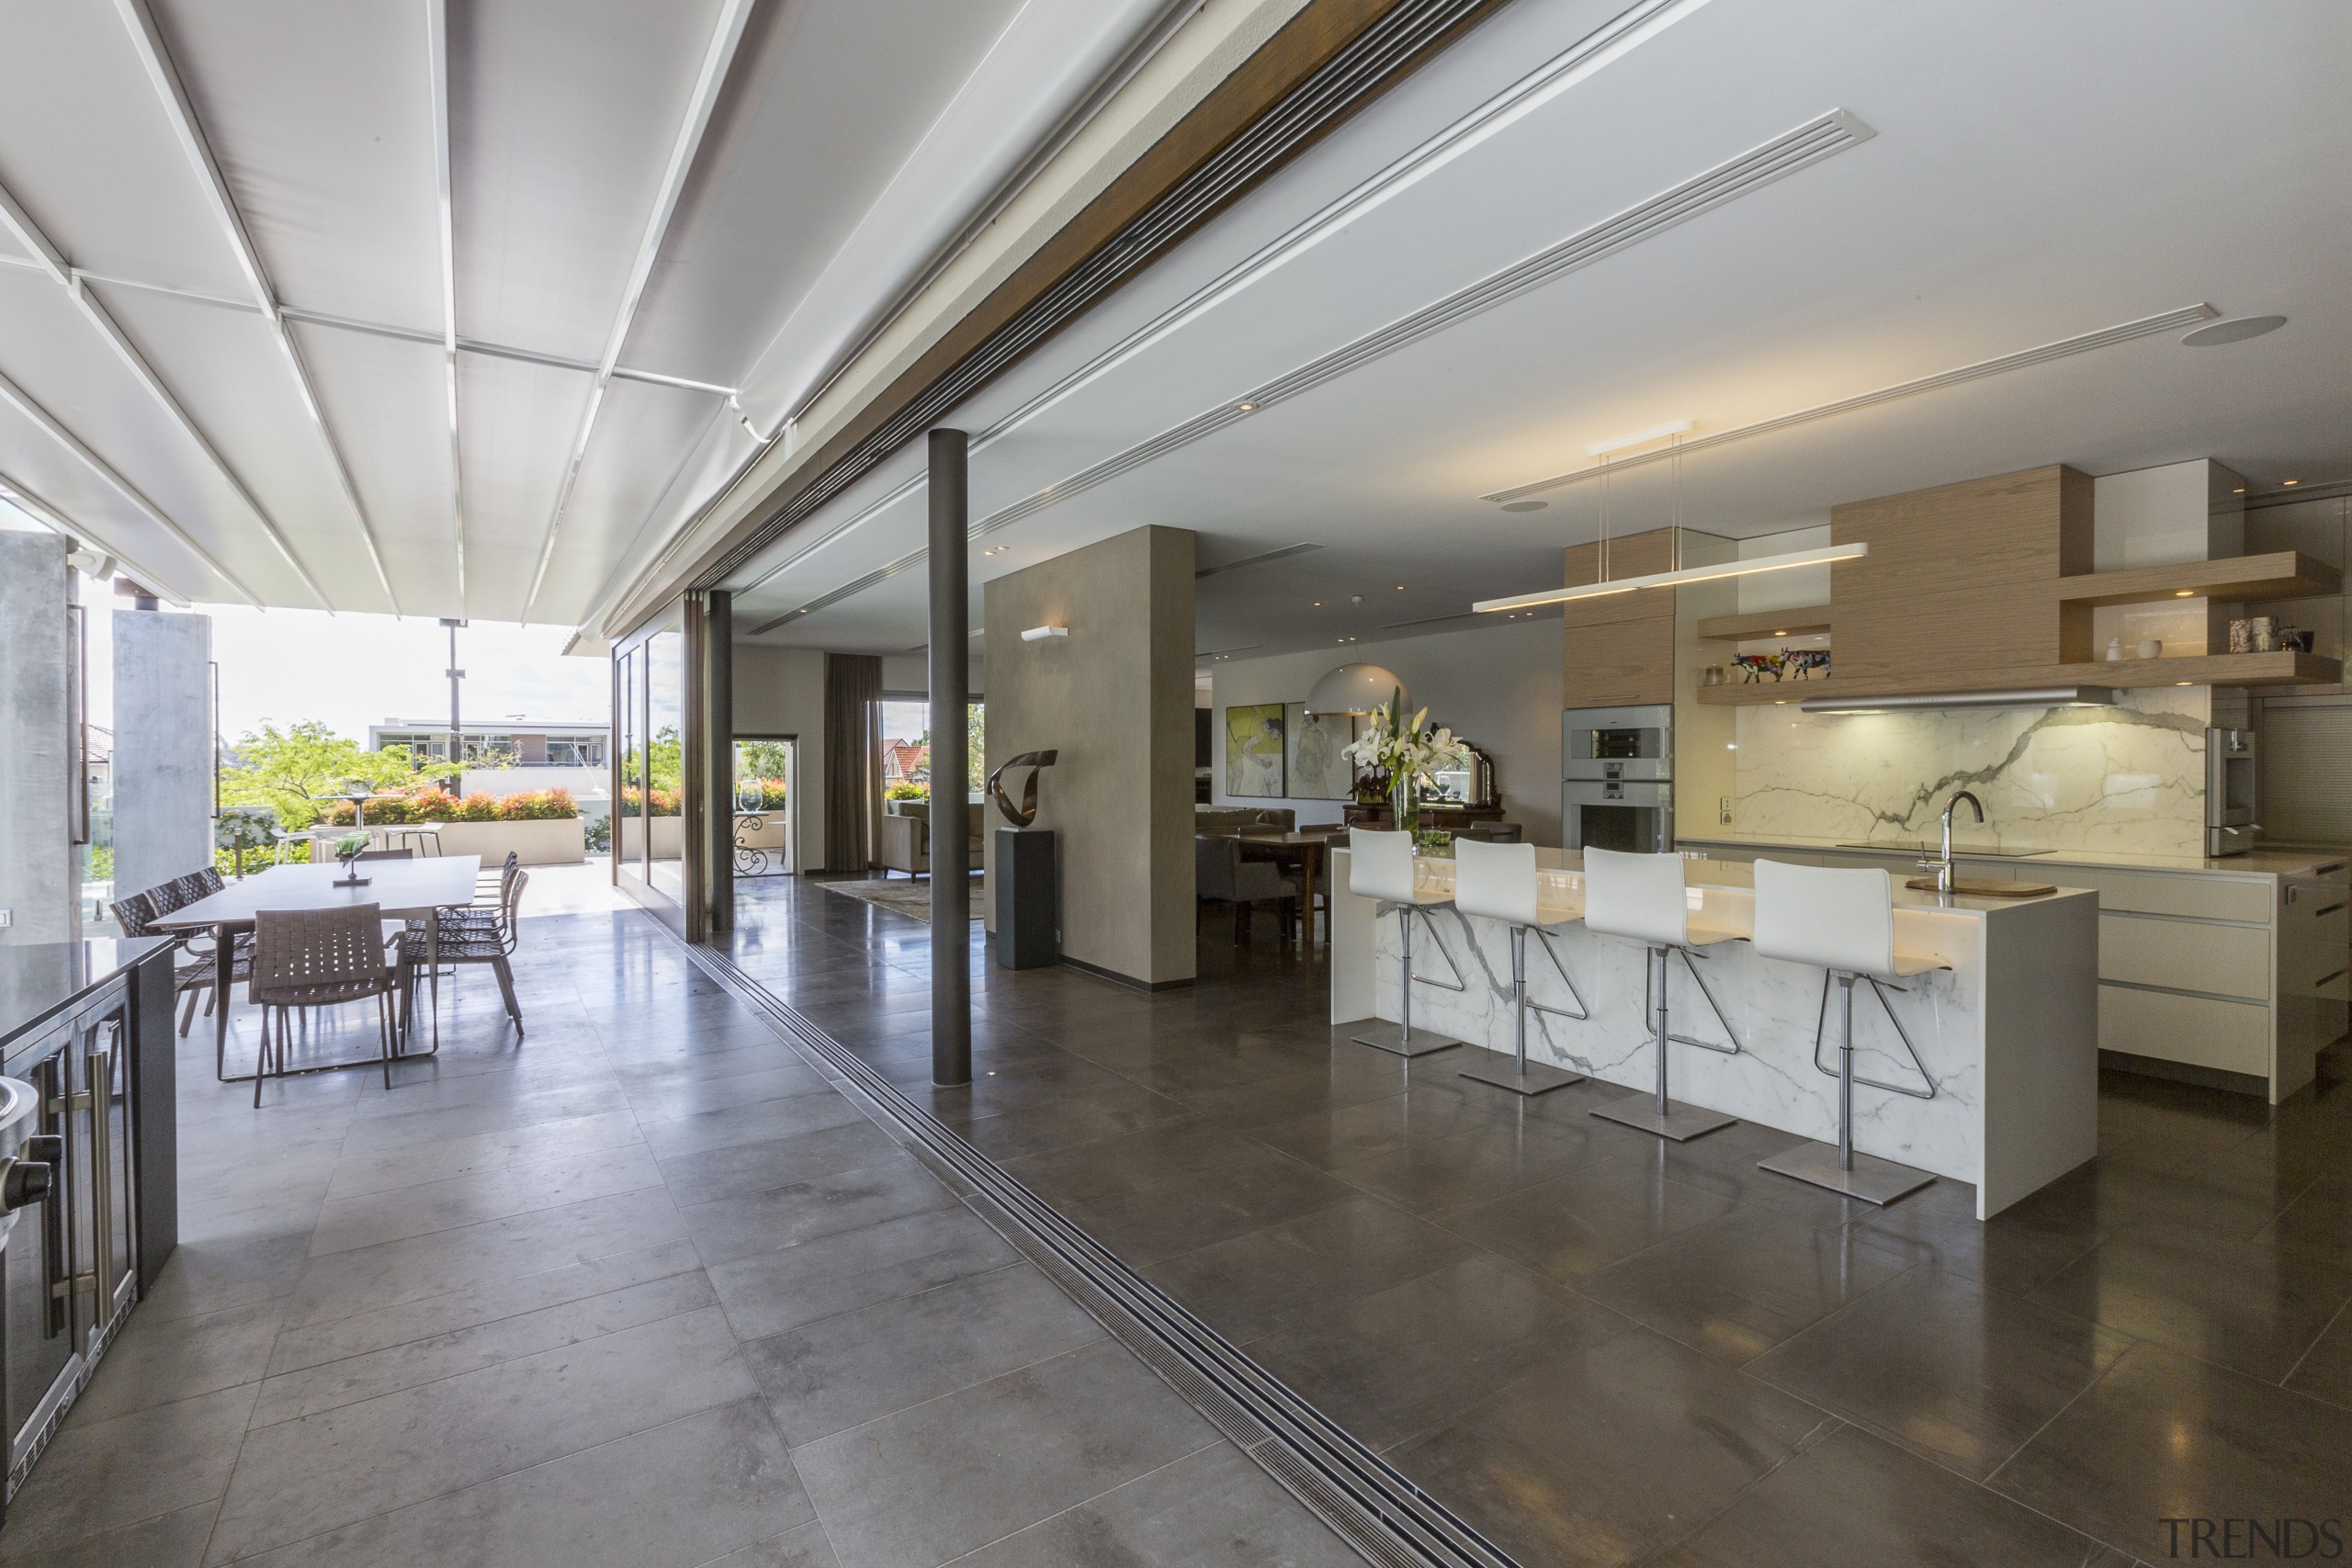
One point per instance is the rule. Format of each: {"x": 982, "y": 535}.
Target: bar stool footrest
{"x": 1390, "y": 1037}
{"x": 1503, "y": 1073}
{"x": 1872, "y": 1180}
{"x": 1679, "y": 1124}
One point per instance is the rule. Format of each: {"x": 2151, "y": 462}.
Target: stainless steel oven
{"x": 1617, "y": 778}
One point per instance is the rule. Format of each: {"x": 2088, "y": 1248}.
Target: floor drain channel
{"x": 1365, "y": 1499}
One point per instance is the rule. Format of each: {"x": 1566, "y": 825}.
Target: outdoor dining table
{"x": 403, "y": 889}
{"x": 1307, "y": 850}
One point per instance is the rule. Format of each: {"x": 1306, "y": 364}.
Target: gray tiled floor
{"x": 645, "y": 1290}
{"x": 1602, "y": 1349}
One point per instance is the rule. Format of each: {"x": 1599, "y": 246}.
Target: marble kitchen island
{"x": 2008, "y": 1034}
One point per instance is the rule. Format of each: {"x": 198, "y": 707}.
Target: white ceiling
{"x": 841, "y": 148}
{"x": 2038, "y": 173}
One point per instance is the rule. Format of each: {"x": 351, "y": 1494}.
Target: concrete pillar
{"x": 163, "y": 747}
{"x": 37, "y": 753}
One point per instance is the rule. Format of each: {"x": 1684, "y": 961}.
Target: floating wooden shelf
{"x": 2201, "y": 669}
{"x": 2282, "y": 574}
{"x": 2204, "y": 669}
{"x": 1810, "y": 621}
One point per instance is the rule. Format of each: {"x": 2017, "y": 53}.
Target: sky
{"x": 351, "y": 670}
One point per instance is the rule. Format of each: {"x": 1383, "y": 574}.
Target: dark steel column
{"x": 951, "y": 673}
{"x": 718, "y": 762}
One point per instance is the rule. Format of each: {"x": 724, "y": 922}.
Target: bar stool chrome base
{"x": 1871, "y": 1178}
{"x": 1532, "y": 1079}
{"x": 1679, "y": 1124}
{"x": 1403, "y": 1040}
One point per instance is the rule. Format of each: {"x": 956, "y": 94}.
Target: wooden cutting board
{"x": 1986, "y": 889}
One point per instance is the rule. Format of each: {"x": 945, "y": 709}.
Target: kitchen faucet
{"x": 1942, "y": 866}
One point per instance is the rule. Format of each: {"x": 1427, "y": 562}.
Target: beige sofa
{"x": 905, "y": 843}
{"x": 1221, "y": 820}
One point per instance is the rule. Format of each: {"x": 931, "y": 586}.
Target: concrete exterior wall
{"x": 163, "y": 748}
{"x": 1114, "y": 698}
{"x": 780, "y": 690}
{"x": 1497, "y": 686}
{"x": 37, "y": 753}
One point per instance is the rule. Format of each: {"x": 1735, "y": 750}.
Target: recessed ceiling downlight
{"x": 1525, "y": 506}
{"x": 2236, "y": 330}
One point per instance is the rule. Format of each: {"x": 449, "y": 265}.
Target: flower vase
{"x": 1402, "y": 804}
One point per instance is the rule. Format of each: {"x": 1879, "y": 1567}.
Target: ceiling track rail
{"x": 1359, "y": 71}
{"x": 1367, "y": 1502}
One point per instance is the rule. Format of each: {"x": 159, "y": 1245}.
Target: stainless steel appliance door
{"x": 1637, "y": 817}
{"x": 1632, "y": 743}
{"x": 44, "y": 1328}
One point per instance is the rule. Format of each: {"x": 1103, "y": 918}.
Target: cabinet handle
{"x": 2329, "y": 979}
{"x": 2323, "y": 914}
{"x": 101, "y": 1064}
{"x": 2331, "y": 866}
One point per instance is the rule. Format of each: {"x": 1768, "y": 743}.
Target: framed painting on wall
{"x": 1312, "y": 757}
{"x": 1253, "y": 751}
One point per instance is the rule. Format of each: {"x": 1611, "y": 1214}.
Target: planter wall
{"x": 552, "y": 842}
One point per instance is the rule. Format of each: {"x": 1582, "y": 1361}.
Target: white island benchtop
{"x": 2008, "y": 1034}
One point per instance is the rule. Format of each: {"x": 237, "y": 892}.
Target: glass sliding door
{"x": 628, "y": 804}
{"x": 666, "y": 763}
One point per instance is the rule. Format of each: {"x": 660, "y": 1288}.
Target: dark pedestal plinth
{"x": 1028, "y": 925}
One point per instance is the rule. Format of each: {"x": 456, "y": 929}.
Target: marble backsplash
{"x": 2131, "y": 777}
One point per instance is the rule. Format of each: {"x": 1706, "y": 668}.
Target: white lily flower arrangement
{"x": 1404, "y": 749}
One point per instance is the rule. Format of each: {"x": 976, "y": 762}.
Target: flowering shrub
{"x": 537, "y": 806}
{"x": 430, "y": 803}
{"x": 663, "y": 802}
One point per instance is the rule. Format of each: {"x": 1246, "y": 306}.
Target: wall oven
{"x": 1617, "y": 778}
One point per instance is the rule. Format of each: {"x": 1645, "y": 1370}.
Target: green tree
{"x": 287, "y": 769}
{"x": 975, "y": 747}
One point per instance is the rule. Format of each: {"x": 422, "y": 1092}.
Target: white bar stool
{"x": 1642, "y": 896}
{"x": 1844, "y": 922}
{"x": 1498, "y": 882}
{"x": 1380, "y": 866}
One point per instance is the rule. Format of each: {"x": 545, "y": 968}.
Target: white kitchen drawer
{"x": 2185, "y": 955}
{"x": 2231, "y": 1036}
{"x": 2156, "y": 892}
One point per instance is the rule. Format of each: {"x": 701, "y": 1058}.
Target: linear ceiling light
{"x": 2126, "y": 331}
{"x": 2018, "y": 697}
{"x": 1639, "y": 438}
{"x": 1821, "y": 557}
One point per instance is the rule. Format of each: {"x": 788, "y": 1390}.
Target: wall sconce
{"x": 1039, "y": 634}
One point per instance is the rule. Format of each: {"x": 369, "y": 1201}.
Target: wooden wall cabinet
{"x": 1957, "y": 583}
{"x": 1618, "y": 651}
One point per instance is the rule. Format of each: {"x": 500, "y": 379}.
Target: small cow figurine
{"x": 1758, "y": 665}
{"x": 1801, "y": 662}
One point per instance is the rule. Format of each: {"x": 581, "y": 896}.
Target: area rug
{"x": 906, "y": 895}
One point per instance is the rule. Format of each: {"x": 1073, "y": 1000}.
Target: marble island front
{"x": 2007, "y": 1032}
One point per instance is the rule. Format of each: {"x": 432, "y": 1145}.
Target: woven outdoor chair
{"x": 308, "y": 958}
{"x": 466, "y": 941}
{"x": 136, "y": 916}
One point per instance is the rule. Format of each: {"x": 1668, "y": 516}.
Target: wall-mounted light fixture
{"x": 1039, "y": 634}
{"x": 1821, "y": 557}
